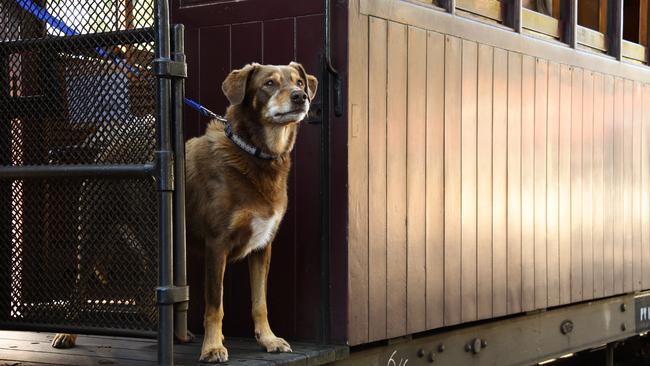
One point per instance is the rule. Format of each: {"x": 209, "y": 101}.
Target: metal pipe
{"x": 325, "y": 183}
{"x": 165, "y": 181}
{"x": 180, "y": 258}
{"x": 115, "y": 332}
{"x": 87, "y": 42}
{"x": 76, "y": 171}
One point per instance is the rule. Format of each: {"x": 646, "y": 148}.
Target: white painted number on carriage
{"x": 644, "y": 314}
{"x": 392, "y": 361}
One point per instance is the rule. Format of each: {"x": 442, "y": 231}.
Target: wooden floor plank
{"x": 34, "y": 348}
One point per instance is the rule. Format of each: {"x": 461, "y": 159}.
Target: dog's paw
{"x": 214, "y": 355}
{"x": 64, "y": 340}
{"x": 274, "y": 344}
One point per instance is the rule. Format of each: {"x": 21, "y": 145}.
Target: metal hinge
{"x": 167, "y": 68}
{"x": 165, "y": 170}
{"x": 172, "y": 294}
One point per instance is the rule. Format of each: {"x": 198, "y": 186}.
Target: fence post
{"x": 180, "y": 266}
{"x": 164, "y": 161}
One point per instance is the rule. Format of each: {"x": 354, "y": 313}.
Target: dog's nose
{"x": 298, "y": 96}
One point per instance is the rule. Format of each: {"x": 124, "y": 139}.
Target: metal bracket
{"x": 172, "y": 294}
{"x": 166, "y": 68}
{"x": 165, "y": 169}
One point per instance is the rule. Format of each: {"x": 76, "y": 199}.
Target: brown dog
{"x": 235, "y": 200}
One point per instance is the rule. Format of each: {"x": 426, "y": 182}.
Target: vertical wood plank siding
{"x": 487, "y": 182}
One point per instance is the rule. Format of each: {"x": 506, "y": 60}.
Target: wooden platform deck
{"x": 33, "y": 349}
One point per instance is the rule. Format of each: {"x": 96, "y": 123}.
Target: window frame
{"x": 564, "y": 26}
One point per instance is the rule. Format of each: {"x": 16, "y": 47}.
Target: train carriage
{"x": 472, "y": 185}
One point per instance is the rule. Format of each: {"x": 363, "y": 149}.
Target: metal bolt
{"x": 420, "y": 353}
{"x": 431, "y": 357}
{"x": 484, "y": 343}
{"x": 476, "y": 345}
{"x": 623, "y": 327}
{"x": 468, "y": 347}
{"x": 566, "y": 327}
{"x": 441, "y": 348}
{"x": 623, "y": 307}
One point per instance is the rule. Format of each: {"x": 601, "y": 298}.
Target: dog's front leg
{"x": 258, "y": 266}
{"x": 215, "y": 266}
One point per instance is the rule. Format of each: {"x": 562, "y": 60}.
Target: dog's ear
{"x": 234, "y": 87}
{"x": 312, "y": 83}
{"x": 313, "y": 86}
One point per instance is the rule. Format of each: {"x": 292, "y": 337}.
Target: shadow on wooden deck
{"x": 32, "y": 349}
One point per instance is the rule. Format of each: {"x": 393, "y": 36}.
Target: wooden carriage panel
{"x": 435, "y": 195}
{"x": 552, "y": 186}
{"x": 396, "y": 144}
{"x": 484, "y": 176}
{"x": 377, "y": 248}
{"x": 534, "y": 165}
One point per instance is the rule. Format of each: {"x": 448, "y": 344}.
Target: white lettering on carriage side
{"x": 262, "y": 231}
{"x": 644, "y": 314}
{"x": 392, "y": 361}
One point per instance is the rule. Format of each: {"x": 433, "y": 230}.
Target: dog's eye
{"x": 300, "y": 83}
{"x": 269, "y": 83}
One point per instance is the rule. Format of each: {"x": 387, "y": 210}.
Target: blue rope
{"x": 42, "y": 14}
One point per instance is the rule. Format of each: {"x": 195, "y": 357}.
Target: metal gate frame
{"x": 168, "y": 170}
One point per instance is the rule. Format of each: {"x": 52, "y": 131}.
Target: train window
{"x": 489, "y": 10}
{"x": 635, "y": 30}
{"x": 592, "y": 25}
{"x": 541, "y": 18}
{"x": 435, "y": 3}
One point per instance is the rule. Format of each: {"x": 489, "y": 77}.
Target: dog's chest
{"x": 262, "y": 230}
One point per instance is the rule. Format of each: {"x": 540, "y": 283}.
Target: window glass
{"x": 545, "y": 7}
{"x": 631, "y": 15}
{"x": 592, "y": 14}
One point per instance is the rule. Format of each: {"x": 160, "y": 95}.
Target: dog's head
{"x": 276, "y": 94}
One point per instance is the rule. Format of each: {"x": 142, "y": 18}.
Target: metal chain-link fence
{"x": 77, "y": 88}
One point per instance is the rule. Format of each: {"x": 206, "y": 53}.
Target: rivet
{"x": 623, "y": 307}
{"x": 484, "y": 343}
{"x": 441, "y": 348}
{"x": 431, "y": 357}
{"x": 420, "y": 353}
{"x": 468, "y": 347}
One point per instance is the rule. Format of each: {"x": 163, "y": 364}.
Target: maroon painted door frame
{"x": 224, "y": 35}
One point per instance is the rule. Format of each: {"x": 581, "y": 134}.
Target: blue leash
{"x": 42, "y": 14}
